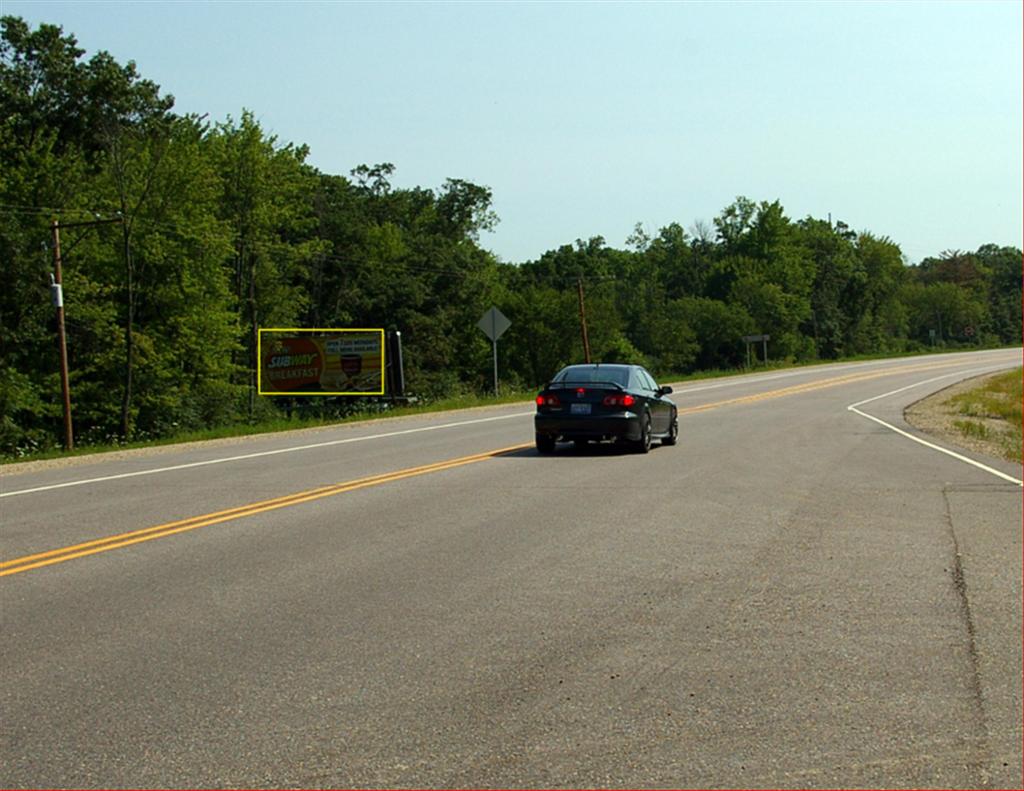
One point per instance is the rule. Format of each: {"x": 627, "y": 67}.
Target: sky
{"x": 585, "y": 118}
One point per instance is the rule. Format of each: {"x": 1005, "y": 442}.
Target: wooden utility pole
{"x": 57, "y": 289}
{"x": 583, "y": 321}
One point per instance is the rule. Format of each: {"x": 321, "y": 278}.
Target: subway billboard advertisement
{"x": 336, "y": 361}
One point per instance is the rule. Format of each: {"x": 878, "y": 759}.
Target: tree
{"x": 464, "y": 209}
{"x": 833, "y": 257}
{"x": 872, "y": 296}
{"x": 680, "y": 270}
{"x": 188, "y": 330}
{"x": 1003, "y": 287}
{"x": 45, "y": 88}
{"x": 734, "y": 223}
{"x": 719, "y": 331}
{"x": 41, "y": 85}
{"x": 267, "y": 202}
{"x": 943, "y": 308}
{"x": 133, "y": 163}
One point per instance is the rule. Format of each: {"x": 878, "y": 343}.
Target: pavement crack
{"x": 974, "y": 680}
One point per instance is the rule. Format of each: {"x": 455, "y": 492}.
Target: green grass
{"x": 998, "y": 402}
{"x": 972, "y": 428}
{"x": 1000, "y": 399}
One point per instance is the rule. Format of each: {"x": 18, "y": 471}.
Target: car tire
{"x": 643, "y": 445}
{"x": 673, "y": 432}
{"x": 545, "y": 444}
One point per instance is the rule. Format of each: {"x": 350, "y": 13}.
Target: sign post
{"x": 493, "y": 324}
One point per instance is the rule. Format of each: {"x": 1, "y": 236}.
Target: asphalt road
{"x": 794, "y": 596}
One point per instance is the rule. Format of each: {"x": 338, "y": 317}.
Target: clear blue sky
{"x": 904, "y": 119}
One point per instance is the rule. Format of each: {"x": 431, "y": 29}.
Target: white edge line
{"x": 965, "y": 374}
{"x": 156, "y": 470}
{"x": 908, "y": 435}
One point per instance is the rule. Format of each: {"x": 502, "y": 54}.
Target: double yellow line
{"x": 29, "y": 562}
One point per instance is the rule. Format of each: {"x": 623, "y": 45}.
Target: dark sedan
{"x": 596, "y": 402}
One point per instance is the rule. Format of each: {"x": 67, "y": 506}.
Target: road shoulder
{"x": 932, "y": 415}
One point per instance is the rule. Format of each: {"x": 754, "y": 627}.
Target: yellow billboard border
{"x": 364, "y": 330}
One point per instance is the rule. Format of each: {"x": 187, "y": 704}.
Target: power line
{"x": 185, "y": 233}
{"x": 49, "y": 210}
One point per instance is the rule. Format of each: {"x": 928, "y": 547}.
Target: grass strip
{"x": 992, "y": 412}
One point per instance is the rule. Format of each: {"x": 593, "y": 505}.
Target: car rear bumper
{"x": 622, "y": 425}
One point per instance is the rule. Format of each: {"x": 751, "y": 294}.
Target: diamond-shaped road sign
{"x": 493, "y": 323}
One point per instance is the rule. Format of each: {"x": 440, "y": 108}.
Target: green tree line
{"x": 224, "y": 229}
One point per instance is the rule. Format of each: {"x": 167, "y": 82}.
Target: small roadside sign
{"x": 750, "y": 340}
{"x": 493, "y": 324}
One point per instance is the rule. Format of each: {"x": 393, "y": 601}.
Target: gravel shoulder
{"x": 934, "y": 416}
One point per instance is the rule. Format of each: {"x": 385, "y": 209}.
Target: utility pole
{"x": 57, "y": 291}
{"x": 583, "y": 321}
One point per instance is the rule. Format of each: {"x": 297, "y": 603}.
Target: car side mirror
{"x": 664, "y": 390}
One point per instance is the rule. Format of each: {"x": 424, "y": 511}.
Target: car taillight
{"x": 619, "y": 399}
{"x": 548, "y": 400}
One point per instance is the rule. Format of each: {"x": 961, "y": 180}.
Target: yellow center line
{"x": 60, "y": 555}
{"x": 63, "y": 554}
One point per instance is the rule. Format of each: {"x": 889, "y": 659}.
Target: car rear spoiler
{"x": 569, "y": 383}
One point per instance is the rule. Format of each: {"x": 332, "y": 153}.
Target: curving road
{"x": 797, "y": 595}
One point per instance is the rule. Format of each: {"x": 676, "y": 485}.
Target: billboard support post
{"x": 396, "y": 369}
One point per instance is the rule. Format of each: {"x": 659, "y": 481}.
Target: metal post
{"x": 397, "y": 385}
{"x": 764, "y": 342}
{"x": 494, "y": 344}
{"x": 58, "y": 299}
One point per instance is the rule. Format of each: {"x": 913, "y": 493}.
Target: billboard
{"x": 319, "y": 361}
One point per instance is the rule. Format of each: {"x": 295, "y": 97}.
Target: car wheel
{"x": 644, "y": 444}
{"x": 545, "y": 443}
{"x": 673, "y": 432}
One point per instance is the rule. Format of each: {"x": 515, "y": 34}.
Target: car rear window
{"x": 593, "y": 373}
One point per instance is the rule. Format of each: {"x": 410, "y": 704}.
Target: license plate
{"x": 580, "y": 409}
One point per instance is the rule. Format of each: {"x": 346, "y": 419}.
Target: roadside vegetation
{"x": 219, "y": 228}
{"x": 992, "y": 413}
